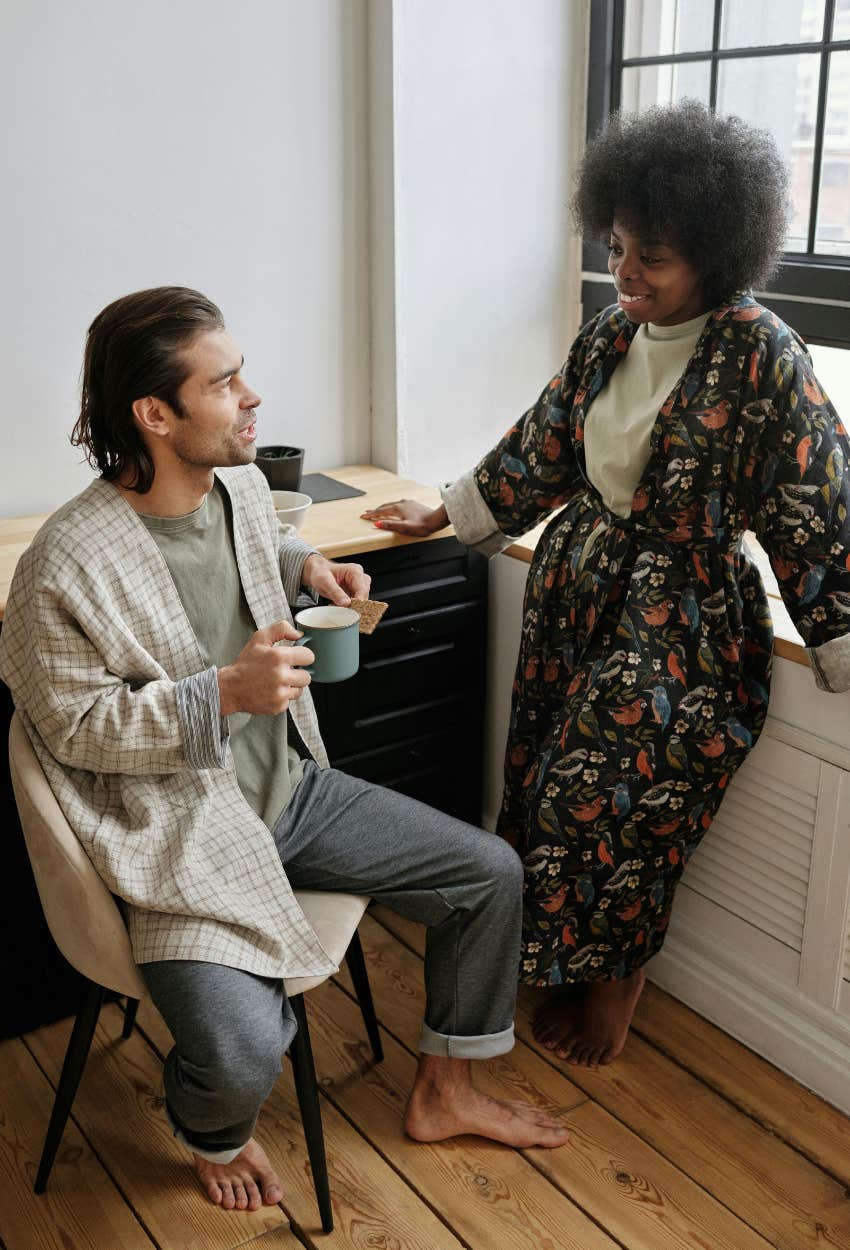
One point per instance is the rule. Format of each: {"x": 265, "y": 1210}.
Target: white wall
{"x": 192, "y": 142}
{"x": 474, "y": 263}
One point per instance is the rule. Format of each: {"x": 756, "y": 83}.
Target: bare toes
{"x": 214, "y": 1193}
{"x": 228, "y": 1199}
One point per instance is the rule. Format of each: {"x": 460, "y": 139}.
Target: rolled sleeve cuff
{"x": 484, "y": 1046}
{"x": 203, "y": 728}
{"x": 293, "y": 556}
{"x": 473, "y": 521}
{"x": 831, "y": 664}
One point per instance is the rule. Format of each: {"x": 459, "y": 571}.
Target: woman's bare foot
{"x": 557, "y": 1021}
{"x": 444, "y": 1103}
{"x": 247, "y": 1183}
{"x": 606, "y": 1017}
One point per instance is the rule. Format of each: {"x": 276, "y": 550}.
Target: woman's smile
{"x": 654, "y": 281}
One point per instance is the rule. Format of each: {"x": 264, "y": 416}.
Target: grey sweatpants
{"x": 339, "y": 833}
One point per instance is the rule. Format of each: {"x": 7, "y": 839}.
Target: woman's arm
{"x": 801, "y": 470}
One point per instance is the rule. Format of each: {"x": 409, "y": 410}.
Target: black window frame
{"x": 820, "y": 313}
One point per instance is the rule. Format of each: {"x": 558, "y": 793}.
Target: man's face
{"x": 218, "y": 427}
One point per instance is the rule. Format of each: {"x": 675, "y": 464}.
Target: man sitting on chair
{"x": 142, "y": 646}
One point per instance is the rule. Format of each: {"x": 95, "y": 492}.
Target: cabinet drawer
{"x": 415, "y": 629}
{"x": 346, "y": 734}
{"x": 388, "y": 763}
{"x": 419, "y": 576}
{"x": 430, "y": 768}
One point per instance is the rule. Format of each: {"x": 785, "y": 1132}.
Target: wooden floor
{"x": 688, "y": 1141}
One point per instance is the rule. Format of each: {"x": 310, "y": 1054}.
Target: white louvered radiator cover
{"x": 755, "y": 859}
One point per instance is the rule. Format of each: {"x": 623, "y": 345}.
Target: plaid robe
{"x": 94, "y": 643}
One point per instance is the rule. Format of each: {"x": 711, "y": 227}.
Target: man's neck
{"x": 172, "y": 494}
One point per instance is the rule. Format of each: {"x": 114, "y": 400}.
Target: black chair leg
{"x": 360, "y": 978}
{"x": 131, "y": 1006}
{"x": 301, "y": 1054}
{"x": 72, "y": 1069}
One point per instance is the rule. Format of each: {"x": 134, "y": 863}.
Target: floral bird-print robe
{"x": 644, "y": 671}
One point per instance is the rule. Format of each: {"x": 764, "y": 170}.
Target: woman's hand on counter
{"x": 405, "y": 516}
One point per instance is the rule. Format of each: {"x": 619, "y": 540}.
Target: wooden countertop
{"x": 335, "y": 528}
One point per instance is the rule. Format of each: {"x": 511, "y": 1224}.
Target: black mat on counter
{"x": 321, "y": 488}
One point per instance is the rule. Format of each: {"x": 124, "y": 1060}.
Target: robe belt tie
{"x": 614, "y": 545}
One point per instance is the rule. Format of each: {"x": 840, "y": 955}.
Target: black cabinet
{"x": 412, "y": 718}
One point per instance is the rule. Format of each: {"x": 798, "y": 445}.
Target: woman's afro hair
{"x": 713, "y": 187}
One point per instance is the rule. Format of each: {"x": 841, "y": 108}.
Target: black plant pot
{"x": 281, "y": 466}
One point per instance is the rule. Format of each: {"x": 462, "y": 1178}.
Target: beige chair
{"x": 86, "y": 925}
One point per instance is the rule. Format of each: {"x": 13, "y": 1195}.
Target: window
{"x": 783, "y": 65}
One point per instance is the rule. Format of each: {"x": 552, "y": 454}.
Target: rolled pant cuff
{"x": 212, "y": 1156}
{"x": 484, "y": 1046}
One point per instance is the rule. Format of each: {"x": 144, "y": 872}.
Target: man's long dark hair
{"x": 134, "y": 348}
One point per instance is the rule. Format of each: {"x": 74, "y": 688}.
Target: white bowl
{"x": 291, "y": 506}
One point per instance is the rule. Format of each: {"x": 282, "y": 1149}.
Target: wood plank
{"x": 774, "y": 1099}
{"x": 372, "y": 1205}
{"x": 81, "y": 1207}
{"x": 489, "y": 1194}
{"x": 119, "y": 1108}
{"x": 277, "y": 1239}
{"x": 484, "y": 1190}
{"x": 779, "y": 1192}
{"x": 644, "y": 1200}
{"x": 768, "y": 1185}
{"x": 626, "y": 1186}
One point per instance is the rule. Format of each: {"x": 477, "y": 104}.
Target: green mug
{"x": 333, "y": 635}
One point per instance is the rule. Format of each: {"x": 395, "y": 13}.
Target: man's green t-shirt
{"x": 201, "y": 558}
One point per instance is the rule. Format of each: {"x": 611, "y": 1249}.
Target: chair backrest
{"x": 81, "y": 914}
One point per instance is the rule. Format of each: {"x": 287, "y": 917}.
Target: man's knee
{"x": 502, "y": 864}
{"x": 237, "y": 1066}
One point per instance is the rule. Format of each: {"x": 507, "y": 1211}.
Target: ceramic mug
{"x": 333, "y": 635}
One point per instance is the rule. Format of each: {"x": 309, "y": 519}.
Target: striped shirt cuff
{"x": 202, "y": 726}
{"x": 292, "y": 555}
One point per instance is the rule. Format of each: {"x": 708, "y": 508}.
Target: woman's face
{"x": 654, "y": 282}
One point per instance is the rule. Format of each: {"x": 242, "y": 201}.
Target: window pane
{"x": 833, "y": 229}
{"x": 780, "y": 94}
{"x": 658, "y": 27}
{"x": 832, "y": 367}
{"x": 664, "y": 84}
{"x": 841, "y": 25}
{"x": 747, "y": 23}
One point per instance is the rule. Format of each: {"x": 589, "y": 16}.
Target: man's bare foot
{"x": 606, "y": 1017}
{"x": 247, "y": 1183}
{"x": 557, "y": 1021}
{"x": 444, "y": 1103}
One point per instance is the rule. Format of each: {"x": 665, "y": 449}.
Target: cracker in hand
{"x": 370, "y": 612}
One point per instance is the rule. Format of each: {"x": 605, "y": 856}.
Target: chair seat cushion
{"x": 334, "y": 919}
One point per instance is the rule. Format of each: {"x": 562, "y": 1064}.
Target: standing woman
{"x": 685, "y": 414}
